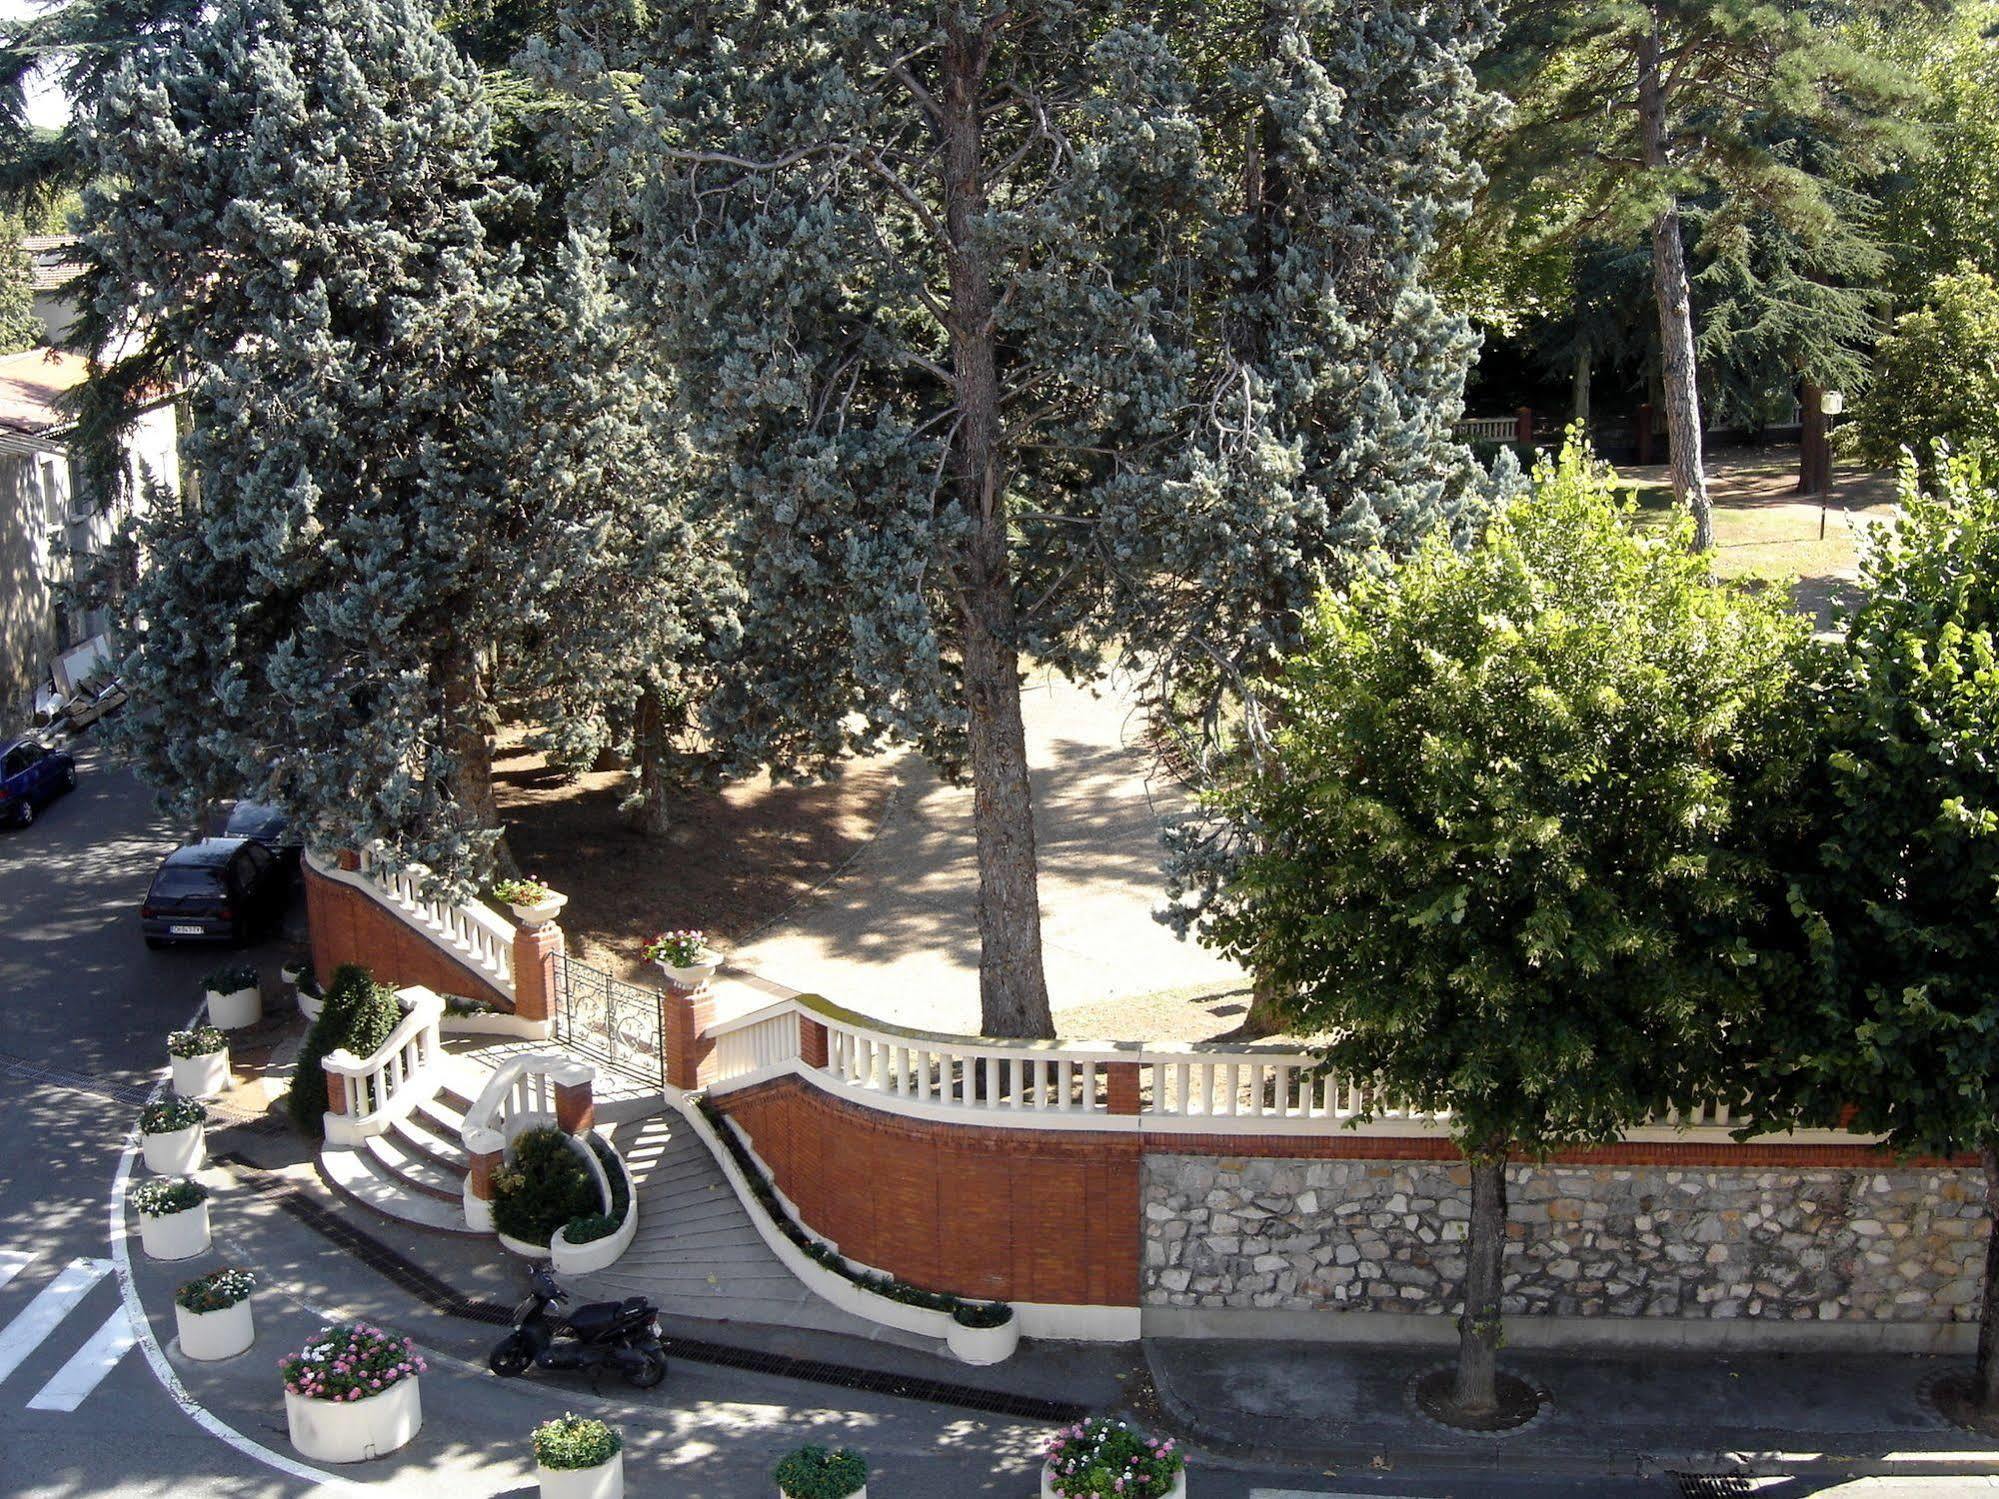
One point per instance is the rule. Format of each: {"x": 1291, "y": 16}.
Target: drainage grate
{"x": 434, "y": 1293}
{"x": 1712, "y": 1485}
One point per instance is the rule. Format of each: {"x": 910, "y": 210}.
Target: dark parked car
{"x": 31, "y": 776}
{"x": 217, "y": 890}
{"x": 265, "y": 824}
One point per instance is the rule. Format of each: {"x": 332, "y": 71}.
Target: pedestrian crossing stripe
{"x": 35, "y": 1323}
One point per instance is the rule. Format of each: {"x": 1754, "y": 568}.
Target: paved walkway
{"x": 896, "y": 936}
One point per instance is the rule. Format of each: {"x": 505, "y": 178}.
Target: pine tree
{"x": 19, "y": 327}
{"x": 289, "y": 210}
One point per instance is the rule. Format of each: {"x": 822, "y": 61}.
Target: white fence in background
{"x": 1488, "y": 428}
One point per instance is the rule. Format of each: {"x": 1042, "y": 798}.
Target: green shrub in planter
{"x": 982, "y": 1314}
{"x": 590, "y": 1227}
{"x": 543, "y": 1187}
{"x": 575, "y": 1442}
{"x": 216, "y": 1291}
{"x": 359, "y": 1016}
{"x": 815, "y": 1473}
{"x": 173, "y": 1112}
{"x": 230, "y": 978}
{"x": 199, "y": 1042}
{"x": 162, "y": 1196}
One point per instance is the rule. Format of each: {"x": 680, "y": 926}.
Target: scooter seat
{"x": 595, "y": 1316}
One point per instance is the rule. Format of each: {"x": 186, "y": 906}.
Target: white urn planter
{"x": 542, "y": 912}
{"x": 1049, "y": 1491}
{"x": 203, "y": 1076}
{"x": 235, "y": 1009}
{"x": 691, "y": 975}
{"x": 352, "y": 1431}
{"x": 176, "y": 1152}
{"x": 175, "y": 1236}
{"x": 209, "y": 1336}
{"x": 983, "y": 1345}
{"x": 859, "y": 1493}
{"x": 605, "y": 1481}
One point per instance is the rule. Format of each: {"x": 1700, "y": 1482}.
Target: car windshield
{"x": 249, "y": 820}
{"x": 186, "y": 879}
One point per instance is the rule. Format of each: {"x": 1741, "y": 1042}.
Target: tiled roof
{"x": 30, "y": 382}
{"x": 53, "y": 260}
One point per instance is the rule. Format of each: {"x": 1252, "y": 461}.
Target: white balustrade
{"x": 472, "y": 931}
{"x": 519, "y": 1096}
{"x": 376, "y": 1090}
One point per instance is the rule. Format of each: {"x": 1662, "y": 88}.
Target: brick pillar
{"x": 575, "y": 1107}
{"x": 336, "y": 1091}
{"x": 483, "y": 1163}
{"x": 684, "y": 1015}
{"x": 1523, "y": 424}
{"x": 535, "y": 950}
{"x": 811, "y": 1042}
{"x": 349, "y": 860}
{"x": 1121, "y": 1087}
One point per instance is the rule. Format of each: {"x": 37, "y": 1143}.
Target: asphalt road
{"x": 84, "y": 1007}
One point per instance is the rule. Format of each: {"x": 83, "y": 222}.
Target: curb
{"x": 1243, "y": 1446}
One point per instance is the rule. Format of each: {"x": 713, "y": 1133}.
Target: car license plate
{"x": 185, "y": 931}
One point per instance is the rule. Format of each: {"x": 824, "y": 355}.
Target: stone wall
{"x": 1834, "y": 1244}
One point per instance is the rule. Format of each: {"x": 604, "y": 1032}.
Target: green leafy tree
{"x": 19, "y": 327}
{"x": 1896, "y": 1031}
{"x": 1639, "y": 108}
{"x": 1510, "y": 842}
{"x": 1936, "y": 375}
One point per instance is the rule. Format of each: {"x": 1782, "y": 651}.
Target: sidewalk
{"x": 1346, "y": 1406}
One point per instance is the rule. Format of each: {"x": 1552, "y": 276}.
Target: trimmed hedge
{"x": 544, "y": 1186}
{"x": 359, "y": 1016}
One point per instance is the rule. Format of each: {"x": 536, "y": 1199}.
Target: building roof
{"x": 54, "y": 260}
{"x": 31, "y": 382}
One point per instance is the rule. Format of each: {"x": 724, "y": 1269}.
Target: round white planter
{"x": 176, "y": 1152}
{"x": 202, "y": 1076}
{"x": 691, "y": 975}
{"x": 1178, "y": 1491}
{"x": 983, "y": 1345}
{"x": 215, "y": 1335}
{"x": 521, "y": 1247}
{"x": 236, "y": 1009}
{"x": 309, "y": 1005}
{"x": 605, "y": 1481}
{"x": 292, "y": 973}
{"x": 352, "y": 1431}
{"x": 175, "y": 1236}
{"x": 541, "y": 913}
{"x": 859, "y": 1493}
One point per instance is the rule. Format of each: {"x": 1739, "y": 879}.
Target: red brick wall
{"x": 1027, "y": 1215}
{"x": 348, "y": 927}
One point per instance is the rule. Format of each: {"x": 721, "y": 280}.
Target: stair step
{"x": 413, "y": 1169}
{"x": 444, "y": 1150}
{"x": 439, "y": 1118}
{"x": 351, "y": 1172}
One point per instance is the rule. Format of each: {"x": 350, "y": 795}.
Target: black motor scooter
{"x": 621, "y": 1335}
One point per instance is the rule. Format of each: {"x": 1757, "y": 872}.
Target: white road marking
{"x": 1309, "y": 1494}
{"x": 74, "y": 1381}
{"x": 25, "y": 1333}
{"x": 13, "y": 1262}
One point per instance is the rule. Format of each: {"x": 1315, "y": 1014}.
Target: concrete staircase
{"x": 414, "y": 1173}
{"x": 697, "y": 1254}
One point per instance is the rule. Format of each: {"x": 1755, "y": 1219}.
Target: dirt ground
{"x": 734, "y": 859}
{"x": 1764, "y": 530}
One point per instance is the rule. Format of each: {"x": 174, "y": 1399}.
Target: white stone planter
{"x": 605, "y": 1481}
{"x": 691, "y": 975}
{"x": 983, "y": 1345}
{"x": 309, "y": 1005}
{"x": 542, "y": 912}
{"x": 175, "y": 1236}
{"x": 352, "y": 1431}
{"x": 859, "y": 1493}
{"x": 236, "y": 1009}
{"x": 202, "y": 1076}
{"x": 294, "y": 973}
{"x": 521, "y": 1247}
{"x": 1049, "y": 1491}
{"x": 209, "y": 1336}
{"x": 176, "y": 1152}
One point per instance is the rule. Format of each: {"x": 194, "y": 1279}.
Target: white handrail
{"x": 519, "y": 1096}
{"x": 472, "y": 932}
{"x": 378, "y": 1089}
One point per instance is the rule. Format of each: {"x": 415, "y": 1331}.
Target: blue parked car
{"x": 31, "y": 776}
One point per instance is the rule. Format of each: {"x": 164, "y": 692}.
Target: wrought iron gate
{"x": 609, "y": 1020}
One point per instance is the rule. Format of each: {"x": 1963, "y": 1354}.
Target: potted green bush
{"x": 173, "y": 1217}
{"x": 170, "y": 1130}
{"x": 532, "y": 902}
{"x": 815, "y": 1473}
{"x": 234, "y": 1000}
{"x": 576, "y": 1457}
{"x": 200, "y": 1061}
{"x": 213, "y": 1314}
{"x": 684, "y": 957}
{"x": 352, "y": 1393}
{"x": 983, "y": 1332}
{"x": 544, "y": 1185}
{"x": 1103, "y": 1458}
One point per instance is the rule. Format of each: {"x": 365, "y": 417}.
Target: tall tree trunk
{"x": 465, "y": 725}
{"x": 1476, "y": 1389}
{"x": 1013, "y": 991}
{"x": 1814, "y": 451}
{"x": 649, "y": 746}
{"x": 1985, "y": 1388}
{"x": 1266, "y": 1015}
{"x": 1579, "y": 388}
{"x": 1676, "y": 309}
